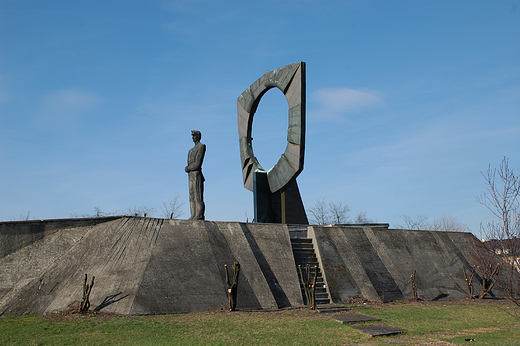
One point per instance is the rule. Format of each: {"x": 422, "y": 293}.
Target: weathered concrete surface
{"x": 28, "y": 265}
{"x": 15, "y": 235}
{"x": 376, "y": 263}
{"x": 353, "y": 317}
{"x": 155, "y": 266}
{"x": 379, "y": 329}
{"x": 186, "y": 269}
{"x": 149, "y": 266}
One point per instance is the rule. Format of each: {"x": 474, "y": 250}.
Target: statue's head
{"x": 196, "y": 135}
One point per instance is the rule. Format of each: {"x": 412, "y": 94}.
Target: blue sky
{"x": 407, "y": 101}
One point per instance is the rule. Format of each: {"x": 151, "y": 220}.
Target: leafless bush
{"x": 417, "y": 223}
{"x": 23, "y": 217}
{"x": 326, "y": 213}
{"x": 97, "y": 213}
{"x": 447, "y": 223}
{"x": 87, "y": 288}
{"x": 361, "y": 217}
{"x": 319, "y": 213}
{"x": 338, "y": 212}
{"x": 172, "y": 209}
{"x": 141, "y": 211}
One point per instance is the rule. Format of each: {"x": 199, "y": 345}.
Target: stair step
{"x": 316, "y": 288}
{"x": 304, "y": 261}
{"x": 300, "y": 248}
{"x": 331, "y": 308}
{"x": 301, "y": 255}
{"x": 304, "y": 254}
{"x": 303, "y": 251}
{"x": 298, "y": 232}
{"x": 304, "y": 266}
{"x": 322, "y": 301}
{"x": 302, "y": 258}
{"x": 301, "y": 240}
{"x": 304, "y": 270}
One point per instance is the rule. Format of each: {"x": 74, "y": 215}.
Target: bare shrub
{"x": 417, "y": 223}
{"x": 173, "y": 208}
{"x": 326, "y": 213}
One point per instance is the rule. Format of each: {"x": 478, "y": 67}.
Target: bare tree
{"x": 361, "y": 217}
{"x": 338, "y": 212}
{"x": 487, "y": 265}
{"x": 98, "y": 212}
{"x": 326, "y": 213}
{"x": 141, "y": 211}
{"x": 502, "y": 236}
{"x": 417, "y": 223}
{"x": 172, "y": 209}
{"x": 447, "y": 223}
{"x": 502, "y": 200}
{"x": 319, "y": 213}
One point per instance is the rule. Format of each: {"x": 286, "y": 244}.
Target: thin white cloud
{"x": 71, "y": 101}
{"x": 432, "y": 144}
{"x": 63, "y": 107}
{"x": 333, "y": 103}
{"x": 181, "y": 28}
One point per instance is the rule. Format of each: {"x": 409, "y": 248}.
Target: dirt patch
{"x": 496, "y": 302}
{"x": 71, "y": 315}
{"x": 74, "y": 314}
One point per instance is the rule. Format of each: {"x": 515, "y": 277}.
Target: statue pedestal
{"x": 284, "y": 206}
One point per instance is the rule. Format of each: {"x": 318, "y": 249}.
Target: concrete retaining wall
{"x": 15, "y": 235}
{"x": 150, "y": 266}
{"x": 156, "y": 266}
{"x": 376, "y": 263}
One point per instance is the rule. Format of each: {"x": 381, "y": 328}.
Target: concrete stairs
{"x": 304, "y": 254}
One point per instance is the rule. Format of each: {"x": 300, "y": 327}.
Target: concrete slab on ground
{"x": 331, "y": 308}
{"x": 379, "y": 329}
{"x": 352, "y": 317}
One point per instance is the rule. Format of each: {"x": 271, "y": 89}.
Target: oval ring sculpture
{"x": 290, "y": 79}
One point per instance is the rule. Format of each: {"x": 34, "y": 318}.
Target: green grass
{"x": 498, "y": 338}
{"x": 425, "y": 322}
{"x": 190, "y": 329}
{"x": 424, "y": 319}
{"x": 488, "y": 323}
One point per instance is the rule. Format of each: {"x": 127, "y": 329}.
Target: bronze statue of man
{"x": 196, "y": 179}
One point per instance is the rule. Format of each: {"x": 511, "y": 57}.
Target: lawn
{"x": 487, "y": 323}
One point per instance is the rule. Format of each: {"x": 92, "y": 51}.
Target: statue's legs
{"x": 196, "y": 185}
{"x": 192, "y": 206}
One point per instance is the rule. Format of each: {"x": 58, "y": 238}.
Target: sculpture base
{"x": 284, "y": 206}
{"x": 160, "y": 266}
